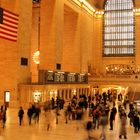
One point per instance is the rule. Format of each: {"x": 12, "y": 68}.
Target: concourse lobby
{"x": 66, "y": 48}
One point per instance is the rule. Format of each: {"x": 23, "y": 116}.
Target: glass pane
{"x": 119, "y": 27}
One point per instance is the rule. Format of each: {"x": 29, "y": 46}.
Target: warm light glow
{"x": 89, "y": 6}
{"x": 7, "y": 96}
{"x": 89, "y": 74}
{"x": 136, "y": 11}
{"x": 61, "y": 72}
{"x": 37, "y": 96}
{"x": 122, "y": 69}
{"x": 82, "y": 0}
{"x": 53, "y": 92}
{"x": 50, "y": 71}
{"x": 99, "y": 12}
{"x": 85, "y": 5}
{"x": 87, "y": 9}
{"x": 82, "y": 74}
{"x": 74, "y": 91}
{"x": 72, "y": 73}
{"x": 36, "y": 57}
{"x": 77, "y": 2}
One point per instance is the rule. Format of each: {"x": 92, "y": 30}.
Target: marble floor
{"x": 73, "y": 130}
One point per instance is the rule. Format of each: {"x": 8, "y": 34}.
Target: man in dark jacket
{"x": 136, "y": 123}
{"x": 111, "y": 119}
{"x": 30, "y": 113}
{"x": 20, "y": 115}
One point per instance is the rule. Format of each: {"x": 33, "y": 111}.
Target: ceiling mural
{"x": 100, "y": 3}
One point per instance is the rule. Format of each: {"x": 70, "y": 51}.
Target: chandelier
{"x": 122, "y": 69}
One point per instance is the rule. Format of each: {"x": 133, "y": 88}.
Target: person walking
{"x": 104, "y": 122}
{"x": 136, "y": 122}
{"x": 123, "y": 118}
{"x": 111, "y": 119}
{"x": 37, "y": 114}
{"x": 114, "y": 111}
{"x": 30, "y": 114}
{"x": 69, "y": 109}
{"x": 3, "y": 113}
{"x": 131, "y": 116}
{"x": 20, "y": 115}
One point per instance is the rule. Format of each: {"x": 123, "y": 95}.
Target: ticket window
{"x": 7, "y": 98}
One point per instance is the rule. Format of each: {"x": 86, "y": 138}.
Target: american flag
{"x": 8, "y": 25}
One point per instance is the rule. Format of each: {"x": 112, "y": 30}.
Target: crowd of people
{"x": 101, "y": 109}
{"x": 33, "y": 112}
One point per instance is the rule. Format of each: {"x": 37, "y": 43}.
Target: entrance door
{"x": 7, "y": 98}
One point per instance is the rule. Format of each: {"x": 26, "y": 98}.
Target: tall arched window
{"x": 119, "y": 27}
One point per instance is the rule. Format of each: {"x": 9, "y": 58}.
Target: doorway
{"x": 7, "y": 98}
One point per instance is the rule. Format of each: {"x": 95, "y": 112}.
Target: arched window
{"x": 119, "y": 27}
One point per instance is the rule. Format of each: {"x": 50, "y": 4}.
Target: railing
{"x": 111, "y": 77}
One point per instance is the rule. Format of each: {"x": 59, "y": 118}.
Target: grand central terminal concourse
{"x": 69, "y": 69}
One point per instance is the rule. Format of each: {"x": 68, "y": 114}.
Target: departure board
{"x": 61, "y": 77}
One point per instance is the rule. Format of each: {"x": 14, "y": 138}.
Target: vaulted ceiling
{"x": 100, "y": 3}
